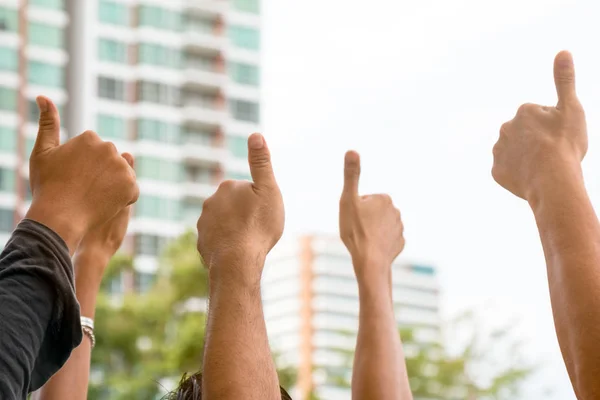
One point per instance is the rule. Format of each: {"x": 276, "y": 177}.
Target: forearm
{"x": 570, "y": 235}
{"x": 73, "y": 378}
{"x": 379, "y": 366}
{"x": 237, "y": 358}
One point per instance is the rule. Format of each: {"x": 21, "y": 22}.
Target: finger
{"x": 259, "y": 159}
{"x": 351, "y": 174}
{"x": 129, "y": 158}
{"x": 48, "y": 135}
{"x": 564, "y": 79}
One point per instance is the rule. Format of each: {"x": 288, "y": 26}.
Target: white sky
{"x": 420, "y": 89}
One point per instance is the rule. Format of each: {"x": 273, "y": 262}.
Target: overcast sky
{"x": 420, "y": 89}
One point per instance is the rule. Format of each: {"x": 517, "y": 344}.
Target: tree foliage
{"x": 486, "y": 366}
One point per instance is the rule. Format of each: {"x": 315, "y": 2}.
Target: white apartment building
{"x": 310, "y": 300}
{"x": 176, "y": 83}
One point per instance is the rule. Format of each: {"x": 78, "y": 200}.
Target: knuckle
{"x": 226, "y": 184}
{"x": 89, "y": 136}
{"x": 110, "y": 148}
{"x": 527, "y": 109}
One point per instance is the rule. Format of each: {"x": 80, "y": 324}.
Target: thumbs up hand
{"x": 543, "y": 146}
{"x": 370, "y": 227}
{"x": 79, "y": 185}
{"x": 242, "y": 221}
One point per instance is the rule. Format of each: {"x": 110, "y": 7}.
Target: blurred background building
{"x": 176, "y": 83}
{"x": 311, "y": 309}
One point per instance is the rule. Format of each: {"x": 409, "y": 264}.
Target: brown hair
{"x": 190, "y": 388}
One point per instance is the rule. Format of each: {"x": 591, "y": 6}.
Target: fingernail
{"x": 42, "y": 104}
{"x": 256, "y": 141}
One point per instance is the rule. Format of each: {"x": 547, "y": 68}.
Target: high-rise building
{"x": 311, "y": 306}
{"x": 176, "y": 83}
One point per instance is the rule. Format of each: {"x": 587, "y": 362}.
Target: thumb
{"x": 48, "y": 135}
{"x": 259, "y": 159}
{"x": 351, "y": 174}
{"x": 564, "y": 79}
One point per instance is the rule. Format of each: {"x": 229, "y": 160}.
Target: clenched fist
{"x": 370, "y": 226}
{"x": 243, "y": 220}
{"x": 78, "y": 185}
{"x": 542, "y": 146}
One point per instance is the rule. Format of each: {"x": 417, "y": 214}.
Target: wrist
{"x": 557, "y": 180}
{"x": 234, "y": 271}
{"x": 373, "y": 272}
{"x": 89, "y": 267}
{"x": 65, "y": 226}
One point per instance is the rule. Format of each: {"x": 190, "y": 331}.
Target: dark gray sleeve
{"x": 39, "y": 313}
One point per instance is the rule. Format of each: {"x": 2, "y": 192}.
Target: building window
{"x": 158, "y": 169}
{"x": 201, "y": 25}
{"x": 150, "y": 245}
{"x": 113, "y": 13}
{"x": 7, "y": 179}
{"x": 251, "y": 6}
{"x": 158, "y": 207}
{"x": 9, "y": 59}
{"x": 245, "y": 74}
{"x": 162, "y": 56}
{"x": 244, "y": 37}
{"x": 45, "y": 74}
{"x": 46, "y": 35}
{"x": 7, "y": 220}
{"x": 9, "y": 20}
{"x": 55, "y": 4}
{"x": 8, "y": 99}
{"x": 160, "y": 18}
{"x": 199, "y": 137}
{"x": 8, "y": 139}
{"x": 112, "y": 50}
{"x": 244, "y": 110}
{"x": 144, "y": 281}
{"x": 159, "y": 93}
{"x": 423, "y": 269}
{"x": 109, "y": 88}
{"x": 198, "y": 174}
{"x": 110, "y": 126}
{"x": 238, "y": 146}
{"x": 158, "y": 131}
{"x": 203, "y": 63}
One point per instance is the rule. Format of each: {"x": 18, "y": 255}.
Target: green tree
{"x": 487, "y": 366}
{"x": 145, "y": 338}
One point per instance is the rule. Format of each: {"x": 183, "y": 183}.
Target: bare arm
{"x": 379, "y": 368}
{"x": 237, "y": 358}
{"x": 238, "y": 227}
{"x": 538, "y": 158}
{"x": 570, "y": 235}
{"x": 372, "y": 230}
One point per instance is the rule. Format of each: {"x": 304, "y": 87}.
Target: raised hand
{"x": 243, "y": 220}
{"x": 370, "y": 226}
{"x": 542, "y": 145}
{"x": 78, "y": 185}
{"x": 371, "y": 229}
{"x": 238, "y": 227}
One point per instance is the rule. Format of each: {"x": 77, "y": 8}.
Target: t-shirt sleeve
{"x": 39, "y": 313}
